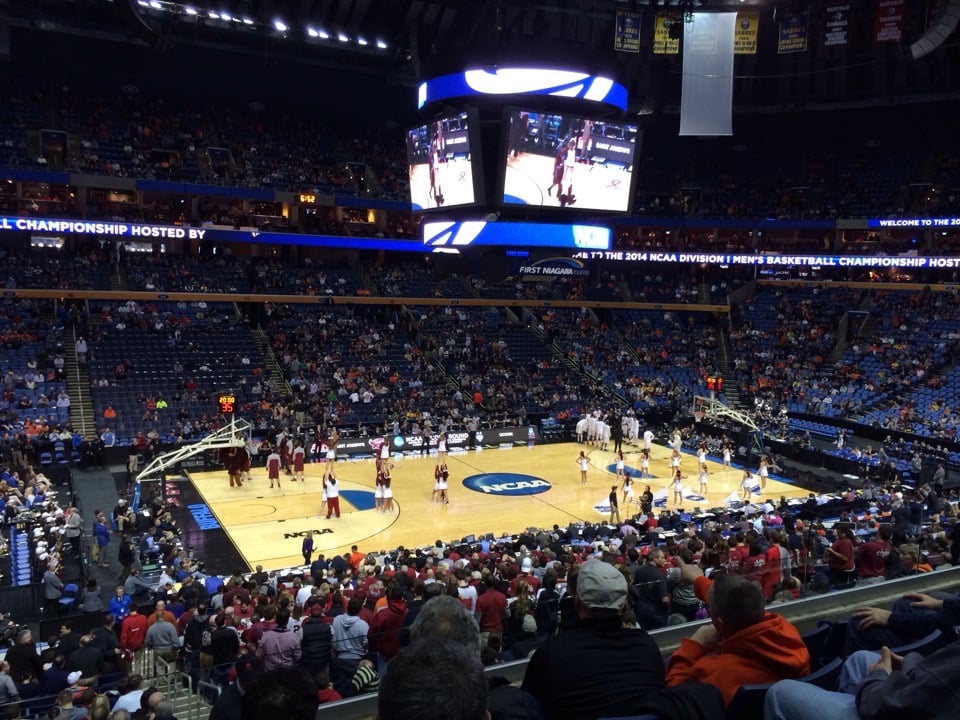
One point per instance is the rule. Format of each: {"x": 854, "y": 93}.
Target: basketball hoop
{"x": 698, "y": 415}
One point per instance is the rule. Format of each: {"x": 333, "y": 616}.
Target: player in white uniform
{"x": 604, "y": 435}
{"x": 647, "y": 439}
{"x": 582, "y": 425}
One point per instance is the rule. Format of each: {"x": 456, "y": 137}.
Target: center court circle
{"x": 506, "y": 484}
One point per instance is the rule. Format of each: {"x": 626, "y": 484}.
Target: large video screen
{"x": 567, "y": 161}
{"x": 440, "y": 158}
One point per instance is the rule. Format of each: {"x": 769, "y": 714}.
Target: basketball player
{"x": 298, "y": 458}
{"x": 569, "y": 163}
{"x": 243, "y": 459}
{"x": 647, "y": 440}
{"x": 273, "y": 467}
{"x": 558, "y": 159}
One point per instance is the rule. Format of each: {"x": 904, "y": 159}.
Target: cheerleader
{"x": 619, "y": 463}
{"x": 442, "y": 484}
{"x": 584, "y": 464}
{"x": 763, "y": 471}
{"x": 702, "y": 478}
{"x": 383, "y": 455}
{"x": 645, "y": 463}
{"x": 323, "y": 496}
{"x": 298, "y": 457}
{"x": 387, "y": 491}
{"x": 675, "y": 460}
{"x": 378, "y": 487}
{"x": 677, "y": 487}
{"x": 627, "y": 490}
{"x": 727, "y": 456}
{"x": 745, "y": 485}
{"x": 442, "y": 445}
{"x": 438, "y": 471}
{"x": 273, "y": 467}
{"x": 702, "y": 455}
{"x": 332, "y": 450}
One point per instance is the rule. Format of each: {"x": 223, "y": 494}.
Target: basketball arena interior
{"x": 516, "y": 281}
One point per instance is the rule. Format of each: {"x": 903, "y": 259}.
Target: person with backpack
{"x": 547, "y": 608}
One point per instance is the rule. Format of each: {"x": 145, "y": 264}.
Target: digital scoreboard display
{"x": 226, "y": 404}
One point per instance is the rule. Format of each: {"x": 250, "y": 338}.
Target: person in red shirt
{"x": 872, "y": 556}
{"x": 133, "y": 631}
{"x": 491, "y": 605}
{"x": 840, "y": 557}
{"x": 384, "y": 633}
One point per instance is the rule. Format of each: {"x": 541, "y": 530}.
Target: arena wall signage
{"x": 915, "y": 222}
{"x": 487, "y": 438}
{"x": 864, "y": 261}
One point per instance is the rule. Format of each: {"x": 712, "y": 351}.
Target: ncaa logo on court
{"x": 506, "y": 484}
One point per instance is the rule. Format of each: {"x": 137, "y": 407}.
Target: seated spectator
{"x": 461, "y": 696}
{"x": 598, "y": 668}
{"x": 911, "y": 618}
{"x": 743, "y": 644}
{"x": 876, "y": 685}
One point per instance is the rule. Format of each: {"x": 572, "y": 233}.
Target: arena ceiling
{"x": 399, "y": 42}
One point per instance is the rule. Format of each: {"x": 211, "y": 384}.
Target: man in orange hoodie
{"x": 744, "y": 643}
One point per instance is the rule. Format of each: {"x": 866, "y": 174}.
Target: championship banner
{"x": 888, "y": 26}
{"x": 626, "y": 36}
{"x": 745, "y": 35}
{"x": 793, "y": 32}
{"x": 836, "y": 25}
{"x": 663, "y": 42}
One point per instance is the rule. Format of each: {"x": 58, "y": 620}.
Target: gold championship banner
{"x": 745, "y": 34}
{"x": 665, "y": 43}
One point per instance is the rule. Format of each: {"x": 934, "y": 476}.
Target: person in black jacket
{"x": 316, "y": 642}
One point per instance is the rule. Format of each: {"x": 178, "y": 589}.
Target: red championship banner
{"x": 888, "y": 26}
{"x": 836, "y": 25}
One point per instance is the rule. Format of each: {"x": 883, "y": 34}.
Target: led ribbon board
{"x": 523, "y": 81}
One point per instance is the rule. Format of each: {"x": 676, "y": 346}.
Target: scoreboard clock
{"x": 226, "y": 404}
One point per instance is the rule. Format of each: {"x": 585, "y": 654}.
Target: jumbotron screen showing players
{"x": 568, "y": 162}
{"x": 440, "y": 158}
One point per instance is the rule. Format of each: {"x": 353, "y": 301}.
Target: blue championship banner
{"x": 793, "y": 32}
{"x": 626, "y": 34}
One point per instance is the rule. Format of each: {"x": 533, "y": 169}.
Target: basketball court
{"x": 595, "y": 185}
{"x": 492, "y": 491}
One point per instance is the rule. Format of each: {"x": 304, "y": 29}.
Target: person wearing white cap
{"x": 598, "y": 668}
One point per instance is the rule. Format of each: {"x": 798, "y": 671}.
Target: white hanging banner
{"x": 706, "y": 104}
